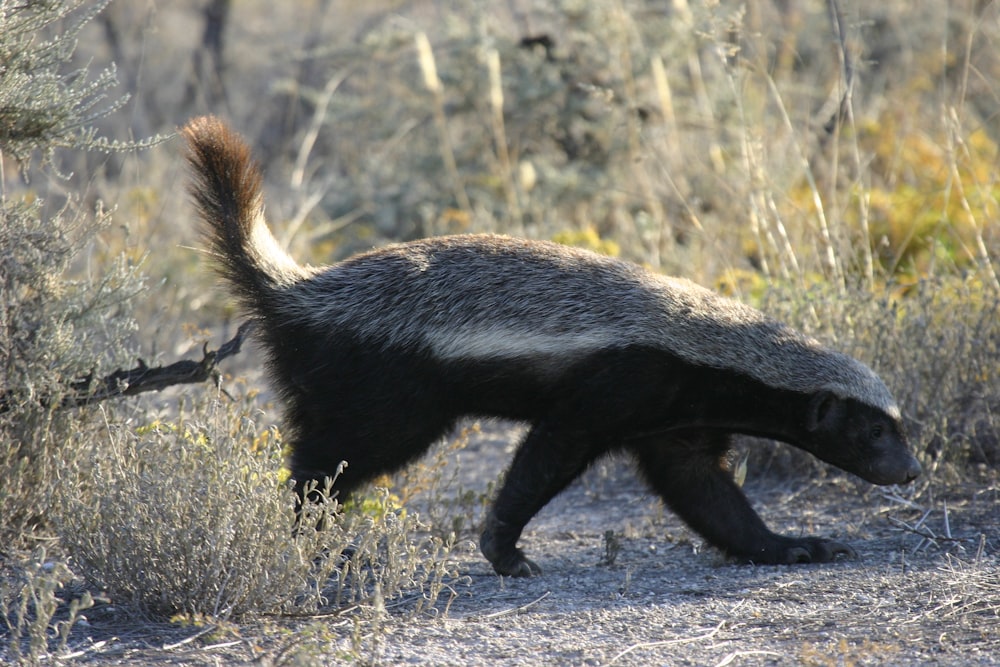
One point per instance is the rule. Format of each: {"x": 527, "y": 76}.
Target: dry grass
{"x": 696, "y": 141}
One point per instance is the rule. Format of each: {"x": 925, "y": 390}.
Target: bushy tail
{"x": 227, "y": 190}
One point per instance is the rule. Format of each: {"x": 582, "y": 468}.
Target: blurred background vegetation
{"x": 835, "y": 163}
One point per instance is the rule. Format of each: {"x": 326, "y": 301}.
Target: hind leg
{"x": 341, "y": 453}
{"x": 349, "y": 400}
{"x": 686, "y": 470}
{"x": 546, "y": 462}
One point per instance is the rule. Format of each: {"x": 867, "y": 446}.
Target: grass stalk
{"x": 433, "y": 84}
{"x": 500, "y": 140}
{"x": 828, "y": 249}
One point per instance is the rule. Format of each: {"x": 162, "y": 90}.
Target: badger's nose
{"x": 913, "y": 470}
{"x": 900, "y": 468}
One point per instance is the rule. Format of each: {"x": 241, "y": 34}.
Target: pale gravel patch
{"x": 668, "y": 601}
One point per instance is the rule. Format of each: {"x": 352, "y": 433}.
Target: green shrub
{"x": 38, "y": 606}
{"x": 692, "y": 140}
{"x": 191, "y": 517}
{"x": 56, "y": 326}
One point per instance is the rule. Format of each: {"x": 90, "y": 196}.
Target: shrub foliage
{"x": 723, "y": 141}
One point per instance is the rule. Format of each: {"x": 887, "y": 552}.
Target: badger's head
{"x": 860, "y": 438}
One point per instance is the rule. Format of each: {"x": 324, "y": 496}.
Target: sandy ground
{"x": 660, "y": 598}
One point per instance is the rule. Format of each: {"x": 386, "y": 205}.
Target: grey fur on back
{"x": 495, "y": 297}
{"x": 479, "y": 296}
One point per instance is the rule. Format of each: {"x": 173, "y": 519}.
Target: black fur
{"x": 376, "y": 359}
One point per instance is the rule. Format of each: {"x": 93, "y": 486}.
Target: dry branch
{"x": 838, "y": 109}
{"x": 140, "y": 379}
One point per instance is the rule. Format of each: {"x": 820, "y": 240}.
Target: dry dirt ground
{"x": 649, "y": 594}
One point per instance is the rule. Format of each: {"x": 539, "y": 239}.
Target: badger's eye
{"x": 876, "y": 432}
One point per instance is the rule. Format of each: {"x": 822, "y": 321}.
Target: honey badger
{"x": 377, "y": 357}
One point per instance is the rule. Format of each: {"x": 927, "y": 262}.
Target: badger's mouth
{"x": 899, "y": 468}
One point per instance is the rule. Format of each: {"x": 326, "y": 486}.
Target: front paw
{"x": 506, "y": 559}
{"x": 791, "y": 551}
{"x": 814, "y": 550}
{"x": 516, "y": 565}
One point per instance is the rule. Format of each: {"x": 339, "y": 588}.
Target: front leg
{"x": 548, "y": 459}
{"x": 688, "y": 473}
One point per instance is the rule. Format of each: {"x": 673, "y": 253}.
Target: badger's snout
{"x": 900, "y": 468}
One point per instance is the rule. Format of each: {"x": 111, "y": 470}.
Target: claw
{"x": 798, "y": 555}
{"x": 840, "y": 549}
{"x": 516, "y": 565}
{"x": 525, "y": 568}
{"x": 818, "y": 551}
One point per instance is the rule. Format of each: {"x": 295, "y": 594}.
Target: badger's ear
{"x": 823, "y": 409}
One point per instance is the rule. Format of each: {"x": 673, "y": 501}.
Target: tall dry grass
{"x": 712, "y": 140}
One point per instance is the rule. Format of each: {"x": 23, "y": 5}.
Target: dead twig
{"x": 198, "y": 635}
{"x": 140, "y": 379}
{"x": 507, "y": 612}
{"x": 837, "y": 110}
{"x": 728, "y": 660}
{"x": 926, "y": 533}
{"x": 668, "y": 642}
